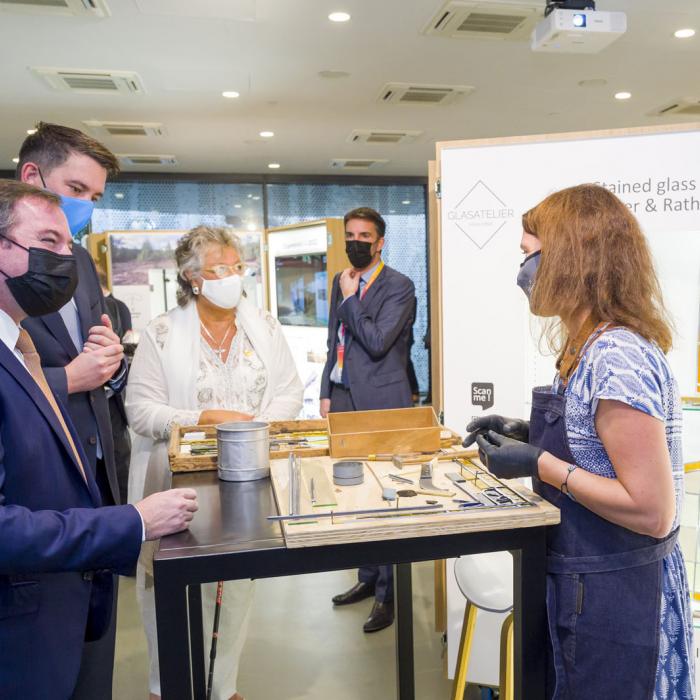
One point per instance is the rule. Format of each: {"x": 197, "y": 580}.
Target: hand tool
{"x": 339, "y": 514}
{"x": 313, "y": 492}
{"x": 426, "y": 480}
{"x": 400, "y": 479}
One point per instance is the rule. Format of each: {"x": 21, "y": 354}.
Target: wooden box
{"x": 390, "y": 431}
{"x": 181, "y": 462}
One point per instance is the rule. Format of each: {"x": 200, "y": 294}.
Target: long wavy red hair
{"x": 595, "y": 257}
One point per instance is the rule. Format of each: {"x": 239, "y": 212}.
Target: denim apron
{"x": 604, "y": 586}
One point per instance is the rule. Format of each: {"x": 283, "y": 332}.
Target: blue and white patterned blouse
{"x": 622, "y": 366}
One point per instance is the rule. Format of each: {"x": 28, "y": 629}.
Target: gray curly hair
{"x": 189, "y": 254}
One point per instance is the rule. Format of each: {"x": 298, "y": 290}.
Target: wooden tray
{"x": 340, "y": 530}
{"x": 180, "y": 462}
{"x": 390, "y": 431}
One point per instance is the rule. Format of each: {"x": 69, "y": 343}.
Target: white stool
{"x": 486, "y": 581}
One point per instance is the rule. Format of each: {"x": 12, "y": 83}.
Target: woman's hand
{"x": 214, "y": 417}
{"x": 510, "y": 427}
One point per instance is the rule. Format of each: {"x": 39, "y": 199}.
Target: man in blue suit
{"x": 81, "y": 356}
{"x": 369, "y": 334}
{"x": 59, "y": 545}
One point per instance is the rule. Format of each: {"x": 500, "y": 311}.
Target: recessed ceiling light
{"x": 338, "y": 16}
{"x": 231, "y": 94}
{"x": 237, "y": 206}
{"x": 406, "y": 201}
{"x": 273, "y": 166}
{"x": 30, "y": 132}
{"x": 15, "y": 160}
{"x": 118, "y": 195}
{"x": 250, "y": 196}
{"x": 684, "y": 33}
{"x": 267, "y": 134}
{"x": 623, "y": 95}
{"x": 255, "y": 197}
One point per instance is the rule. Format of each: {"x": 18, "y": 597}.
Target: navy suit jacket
{"x": 377, "y": 340}
{"x": 89, "y": 410}
{"x": 53, "y": 537}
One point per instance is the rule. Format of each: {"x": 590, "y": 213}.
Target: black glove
{"x": 507, "y": 458}
{"x": 510, "y": 427}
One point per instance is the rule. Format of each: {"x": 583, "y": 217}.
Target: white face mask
{"x": 224, "y": 293}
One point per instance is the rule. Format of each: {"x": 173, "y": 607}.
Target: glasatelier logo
{"x": 480, "y": 214}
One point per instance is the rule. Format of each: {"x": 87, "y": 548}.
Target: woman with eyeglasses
{"x": 214, "y": 358}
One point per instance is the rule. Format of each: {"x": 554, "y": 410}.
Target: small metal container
{"x": 244, "y": 450}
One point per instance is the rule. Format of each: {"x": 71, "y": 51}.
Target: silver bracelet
{"x": 564, "y": 488}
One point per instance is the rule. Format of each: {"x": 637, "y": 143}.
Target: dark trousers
{"x": 97, "y": 662}
{"x": 381, "y": 577}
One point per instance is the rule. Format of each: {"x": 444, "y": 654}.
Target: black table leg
{"x": 530, "y": 616}
{"x": 403, "y": 596}
{"x": 173, "y": 639}
{"x": 194, "y": 599}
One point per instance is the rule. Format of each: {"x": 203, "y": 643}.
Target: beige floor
{"x": 301, "y": 648}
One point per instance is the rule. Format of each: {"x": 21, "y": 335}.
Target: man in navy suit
{"x": 59, "y": 545}
{"x": 369, "y": 333}
{"x": 81, "y": 356}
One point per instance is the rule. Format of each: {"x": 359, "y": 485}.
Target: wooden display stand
{"x": 368, "y": 495}
{"x": 394, "y": 431}
{"x": 182, "y": 462}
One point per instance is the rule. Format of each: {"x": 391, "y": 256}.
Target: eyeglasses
{"x": 221, "y": 271}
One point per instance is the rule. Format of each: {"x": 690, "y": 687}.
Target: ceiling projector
{"x": 566, "y": 30}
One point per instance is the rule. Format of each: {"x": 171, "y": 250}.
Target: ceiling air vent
{"x": 91, "y": 81}
{"x": 146, "y": 159}
{"x": 74, "y": 8}
{"x": 102, "y": 129}
{"x": 417, "y": 94}
{"x": 682, "y": 107}
{"x": 357, "y": 163}
{"x": 383, "y": 136}
{"x": 490, "y": 19}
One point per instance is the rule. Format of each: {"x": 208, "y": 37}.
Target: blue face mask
{"x": 528, "y": 270}
{"x": 78, "y": 211}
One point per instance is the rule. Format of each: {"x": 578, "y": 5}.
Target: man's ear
{"x": 30, "y": 174}
{"x": 380, "y": 243}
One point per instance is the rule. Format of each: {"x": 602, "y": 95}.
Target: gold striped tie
{"x": 31, "y": 358}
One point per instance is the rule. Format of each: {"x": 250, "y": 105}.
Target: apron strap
{"x": 558, "y": 564}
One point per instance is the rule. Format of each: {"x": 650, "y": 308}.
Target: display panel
{"x": 302, "y": 294}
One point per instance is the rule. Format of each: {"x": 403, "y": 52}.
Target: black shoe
{"x": 382, "y": 616}
{"x": 358, "y": 592}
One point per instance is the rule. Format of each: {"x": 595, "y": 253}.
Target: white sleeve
{"x": 147, "y": 405}
{"x": 287, "y": 392}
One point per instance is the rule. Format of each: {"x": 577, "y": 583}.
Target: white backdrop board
{"x": 489, "y": 342}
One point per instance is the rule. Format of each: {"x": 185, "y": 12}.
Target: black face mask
{"x": 359, "y": 253}
{"x": 47, "y": 285}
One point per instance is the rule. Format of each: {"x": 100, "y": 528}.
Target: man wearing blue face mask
{"x": 81, "y": 356}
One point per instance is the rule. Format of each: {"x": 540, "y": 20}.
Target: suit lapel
{"x": 58, "y": 330}
{"x": 26, "y": 381}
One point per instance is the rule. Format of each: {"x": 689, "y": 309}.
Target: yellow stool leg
{"x": 506, "y": 689}
{"x": 465, "y": 648}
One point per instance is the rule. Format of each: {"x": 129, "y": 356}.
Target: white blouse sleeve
{"x": 147, "y": 406}
{"x": 287, "y": 391}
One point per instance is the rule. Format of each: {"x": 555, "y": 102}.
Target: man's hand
{"x": 349, "y": 282}
{"x": 510, "y": 427}
{"x": 325, "y": 407}
{"x": 507, "y": 458}
{"x": 92, "y": 368}
{"x": 167, "y": 512}
{"x": 101, "y": 336}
